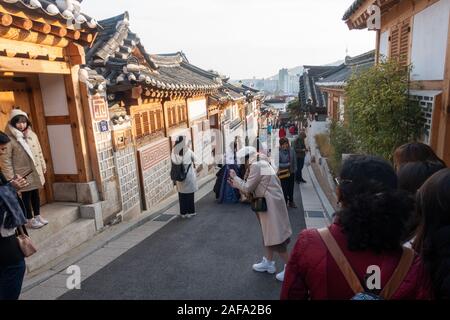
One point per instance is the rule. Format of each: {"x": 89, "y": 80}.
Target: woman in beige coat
{"x": 276, "y": 228}
{"x": 24, "y": 155}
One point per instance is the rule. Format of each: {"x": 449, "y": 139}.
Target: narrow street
{"x": 207, "y": 257}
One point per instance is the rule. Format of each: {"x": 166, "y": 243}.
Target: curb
{"x": 329, "y": 210}
{"x": 91, "y": 246}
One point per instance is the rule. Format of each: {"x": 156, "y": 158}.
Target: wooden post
{"x": 76, "y": 112}
{"x": 40, "y": 127}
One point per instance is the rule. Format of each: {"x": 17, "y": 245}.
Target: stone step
{"x": 62, "y": 242}
{"x": 59, "y": 216}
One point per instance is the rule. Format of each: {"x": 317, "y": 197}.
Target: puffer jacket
{"x": 312, "y": 272}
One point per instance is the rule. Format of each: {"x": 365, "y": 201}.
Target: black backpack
{"x": 178, "y": 172}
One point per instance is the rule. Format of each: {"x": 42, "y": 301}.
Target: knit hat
{"x": 17, "y": 112}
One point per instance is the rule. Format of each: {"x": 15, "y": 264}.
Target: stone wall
{"x": 128, "y": 178}
{"x": 154, "y": 171}
{"x": 104, "y": 145}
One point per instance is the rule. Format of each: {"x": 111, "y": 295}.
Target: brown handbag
{"x": 25, "y": 243}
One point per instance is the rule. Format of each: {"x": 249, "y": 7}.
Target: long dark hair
{"x": 178, "y": 142}
{"x": 413, "y": 152}
{"x": 433, "y": 236}
{"x": 375, "y": 214}
{"x": 411, "y": 176}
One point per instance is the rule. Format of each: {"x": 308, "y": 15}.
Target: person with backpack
{"x": 360, "y": 256}
{"x": 433, "y": 237}
{"x": 184, "y": 176}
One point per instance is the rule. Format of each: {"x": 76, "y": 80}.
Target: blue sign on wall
{"x": 104, "y": 126}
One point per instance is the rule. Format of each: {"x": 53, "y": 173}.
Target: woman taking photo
{"x": 12, "y": 262}
{"x": 24, "y": 155}
{"x": 262, "y": 182}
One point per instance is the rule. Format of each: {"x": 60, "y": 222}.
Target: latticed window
{"x": 145, "y": 121}
{"x": 400, "y": 39}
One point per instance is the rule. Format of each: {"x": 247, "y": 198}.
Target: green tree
{"x": 342, "y": 142}
{"x": 380, "y": 114}
{"x": 294, "y": 111}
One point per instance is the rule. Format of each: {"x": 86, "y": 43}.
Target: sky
{"x": 242, "y": 39}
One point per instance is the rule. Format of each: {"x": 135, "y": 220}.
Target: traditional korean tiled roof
{"x": 351, "y": 66}
{"x": 352, "y": 9}
{"x": 308, "y": 87}
{"x": 119, "y": 56}
{"x": 56, "y": 9}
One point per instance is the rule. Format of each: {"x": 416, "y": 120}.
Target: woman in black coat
{"x": 12, "y": 262}
{"x": 433, "y": 237}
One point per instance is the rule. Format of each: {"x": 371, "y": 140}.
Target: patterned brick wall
{"x": 155, "y": 165}
{"x": 128, "y": 177}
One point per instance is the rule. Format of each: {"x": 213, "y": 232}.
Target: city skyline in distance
{"x": 246, "y": 38}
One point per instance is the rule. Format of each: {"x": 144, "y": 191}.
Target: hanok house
{"x": 333, "y": 85}
{"x": 228, "y": 120}
{"x": 41, "y": 48}
{"x": 311, "y": 99}
{"x": 417, "y": 33}
{"x": 149, "y": 101}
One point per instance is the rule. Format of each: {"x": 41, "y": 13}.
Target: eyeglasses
{"x": 340, "y": 181}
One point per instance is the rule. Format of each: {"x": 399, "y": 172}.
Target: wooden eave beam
{"x": 12, "y": 33}
{"x": 11, "y": 48}
{"x": 23, "y": 65}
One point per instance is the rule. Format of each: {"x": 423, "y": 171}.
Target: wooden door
{"x": 16, "y": 93}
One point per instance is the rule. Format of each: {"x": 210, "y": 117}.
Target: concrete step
{"x": 61, "y": 242}
{"x": 59, "y": 216}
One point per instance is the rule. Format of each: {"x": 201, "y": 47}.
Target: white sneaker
{"x": 265, "y": 266}
{"x": 42, "y": 220}
{"x": 35, "y": 224}
{"x": 280, "y": 276}
{"x": 191, "y": 215}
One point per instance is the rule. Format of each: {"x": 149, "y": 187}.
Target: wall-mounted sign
{"x": 99, "y": 108}
{"x": 103, "y": 126}
{"x": 121, "y": 138}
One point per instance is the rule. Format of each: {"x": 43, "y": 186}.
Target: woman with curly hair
{"x": 367, "y": 232}
{"x": 433, "y": 238}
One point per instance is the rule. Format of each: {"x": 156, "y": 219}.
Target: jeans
{"x": 288, "y": 188}
{"x": 11, "y": 278}
{"x": 300, "y": 165}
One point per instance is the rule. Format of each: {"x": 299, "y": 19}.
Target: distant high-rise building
{"x": 283, "y": 80}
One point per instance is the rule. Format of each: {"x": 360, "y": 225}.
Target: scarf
{"x": 9, "y": 206}
{"x": 22, "y": 138}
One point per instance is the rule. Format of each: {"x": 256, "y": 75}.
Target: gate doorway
{"x": 18, "y": 92}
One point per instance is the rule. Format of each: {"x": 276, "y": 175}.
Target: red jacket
{"x": 312, "y": 272}
{"x": 282, "y": 133}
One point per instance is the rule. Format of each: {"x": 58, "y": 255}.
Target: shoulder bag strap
{"x": 399, "y": 274}
{"x": 341, "y": 260}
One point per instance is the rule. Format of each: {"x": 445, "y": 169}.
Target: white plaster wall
{"x": 384, "y": 44}
{"x": 197, "y": 109}
{"x": 62, "y": 149}
{"x": 429, "y": 42}
{"x": 54, "y": 95}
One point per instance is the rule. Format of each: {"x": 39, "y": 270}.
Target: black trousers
{"x": 32, "y": 203}
{"x": 288, "y": 188}
{"x": 187, "y": 204}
